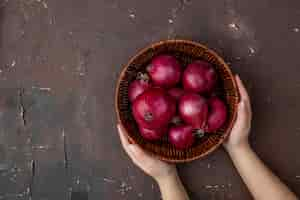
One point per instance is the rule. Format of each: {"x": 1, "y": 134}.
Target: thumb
{"x": 139, "y": 156}
{"x": 136, "y": 151}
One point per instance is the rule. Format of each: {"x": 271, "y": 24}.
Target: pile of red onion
{"x": 176, "y": 100}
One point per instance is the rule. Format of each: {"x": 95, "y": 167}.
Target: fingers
{"x": 134, "y": 152}
{"x": 137, "y": 152}
{"x": 123, "y": 138}
{"x": 243, "y": 116}
{"x": 124, "y": 141}
{"x": 242, "y": 89}
{"x": 138, "y": 155}
{"x": 244, "y": 96}
{"x": 242, "y": 113}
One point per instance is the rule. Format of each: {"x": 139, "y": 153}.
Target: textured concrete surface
{"x": 59, "y": 61}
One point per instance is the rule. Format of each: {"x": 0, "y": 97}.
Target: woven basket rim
{"x": 171, "y": 41}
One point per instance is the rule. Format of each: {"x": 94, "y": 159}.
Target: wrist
{"x": 168, "y": 179}
{"x": 168, "y": 173}
{"x": 171, "y": 187}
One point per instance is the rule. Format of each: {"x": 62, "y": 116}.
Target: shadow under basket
{"x": 186, "y": 52}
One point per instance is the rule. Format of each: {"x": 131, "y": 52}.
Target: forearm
{"x": 171, "y": 188}
{"x": 261, "y": 182}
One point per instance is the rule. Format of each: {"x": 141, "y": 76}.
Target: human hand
{"x": 155, "y": 168}
{"x": 240, "y": 131}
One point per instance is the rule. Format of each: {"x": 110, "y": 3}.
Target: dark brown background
{"x": 59, "y": 62}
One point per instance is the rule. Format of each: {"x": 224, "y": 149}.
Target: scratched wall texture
{"x": 59, "y": 61}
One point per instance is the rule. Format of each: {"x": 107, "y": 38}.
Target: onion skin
{"x": 136, "y": 88}
{"x": 154, "y": 108}
{"x": 199, "y": 77}
{"x": 193, "y": 110}
{"x": 152, "y": 135}
{"x": 217, "y": 114}
{"x": 165, "y": 71}
{"x": 181, "y": 136}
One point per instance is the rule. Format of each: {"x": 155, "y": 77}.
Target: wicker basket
{"x": 186, "y": 52}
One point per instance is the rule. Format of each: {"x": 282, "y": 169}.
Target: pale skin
{"x": 261, "y": 182}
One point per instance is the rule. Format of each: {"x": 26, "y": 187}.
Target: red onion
{"x": 199, "y": 76}
{"x": 165, "y": 71}
{"x": 217, "y": 114}
{"x": 181, "y": 136}
{"x": 136, "y": 88}
{"x": 193, "y": 110}
{"x": 154, "y": 108}
{"x": 152, "y": 134}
